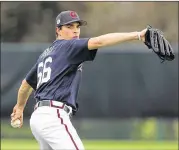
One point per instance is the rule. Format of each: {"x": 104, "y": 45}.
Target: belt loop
{"x": 70, "y": 109}
{"x": 38, "y": 103}
{"x": 50, "y": 103}
{"x": 36, "y": 106}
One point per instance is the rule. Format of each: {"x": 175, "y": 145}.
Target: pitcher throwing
{"x": 55, "y": 78}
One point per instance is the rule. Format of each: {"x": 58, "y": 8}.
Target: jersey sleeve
{"x": 31, "y": 77}
{"x": 78, "y": 51}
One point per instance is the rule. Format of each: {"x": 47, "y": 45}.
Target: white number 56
{"x": 45, "y": 73}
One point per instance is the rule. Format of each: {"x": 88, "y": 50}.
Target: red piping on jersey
{"x": 58, "y": 114}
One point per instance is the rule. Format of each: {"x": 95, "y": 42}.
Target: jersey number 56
{"x": 43, "y": 71}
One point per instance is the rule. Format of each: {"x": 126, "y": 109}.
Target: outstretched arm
{"x": 115, "y": 38}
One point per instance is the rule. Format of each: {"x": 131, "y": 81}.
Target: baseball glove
{"x": 155, "y": 40}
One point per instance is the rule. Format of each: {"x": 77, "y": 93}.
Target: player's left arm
{"x": 115, "y": 38}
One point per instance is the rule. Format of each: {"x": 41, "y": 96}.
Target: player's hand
{"x": 142, "y": 35}
{"x": 17, "y": 114}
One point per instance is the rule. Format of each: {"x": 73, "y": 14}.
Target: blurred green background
{"x": 127, "y": 134}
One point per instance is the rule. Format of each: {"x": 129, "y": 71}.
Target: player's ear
{"x": 57, "y": 30}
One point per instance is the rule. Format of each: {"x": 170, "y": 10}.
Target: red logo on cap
{"x": 73, "y": 14}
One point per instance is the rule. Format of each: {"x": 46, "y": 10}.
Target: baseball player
{"x": 55, "y": 80}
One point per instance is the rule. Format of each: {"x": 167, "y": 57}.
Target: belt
{"x": 55, "y": 104}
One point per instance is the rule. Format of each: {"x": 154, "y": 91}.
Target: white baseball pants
{"x": 53, "y": 129}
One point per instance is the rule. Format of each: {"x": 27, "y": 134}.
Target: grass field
{"x": 12, "y": 144}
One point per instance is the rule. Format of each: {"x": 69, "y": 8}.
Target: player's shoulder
{"x": 77, "y": 41}
{"x": 70, "y": 44}
{"x": 63, "y": 41}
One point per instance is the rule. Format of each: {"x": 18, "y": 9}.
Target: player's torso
{"x": 58, "y": 78}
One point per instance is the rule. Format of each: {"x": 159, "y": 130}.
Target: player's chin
{"x": 75, "y": 37}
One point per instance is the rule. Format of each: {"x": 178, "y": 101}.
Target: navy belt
{"x": 55, "y": 104}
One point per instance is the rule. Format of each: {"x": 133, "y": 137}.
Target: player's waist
{"x": 55, "y": 104}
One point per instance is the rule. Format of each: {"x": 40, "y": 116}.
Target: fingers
{"x": 21, "y": 123}
{"x": 161, "y": 45}
{"x": 15, "y": 118}
{"x": 12, "y": 115}
{"x": 17, "y": 125}
{"x": 17, "y": 115}
{"x": 18, "y": 118}
{"x": 172, "y": 56}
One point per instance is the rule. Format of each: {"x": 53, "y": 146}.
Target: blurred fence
{"x": 123, "y": 81}
{"x": 126, "y": 93}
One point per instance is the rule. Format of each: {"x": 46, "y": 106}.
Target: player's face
{"x": 69, "y": 31}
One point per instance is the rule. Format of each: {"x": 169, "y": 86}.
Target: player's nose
{"x": 75, "y": 32}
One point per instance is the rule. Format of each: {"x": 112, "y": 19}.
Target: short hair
{"x": 60, "y": 27}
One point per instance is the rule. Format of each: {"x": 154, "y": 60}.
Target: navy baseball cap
{"x": 67, "y": 17}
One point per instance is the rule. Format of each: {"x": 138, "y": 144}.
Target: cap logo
{"x": 73, "y": 14}
{"x": 58, "y": 21}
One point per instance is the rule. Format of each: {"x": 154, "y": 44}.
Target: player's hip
{"x": 45, "y": 117}
{"x": 54, "y": 125}
{"x": 53, "y": 105}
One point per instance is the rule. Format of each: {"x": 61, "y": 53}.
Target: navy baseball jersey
{"x": 57, "y": 73}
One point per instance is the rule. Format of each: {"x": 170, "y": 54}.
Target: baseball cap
{"x": 67, "y": 17}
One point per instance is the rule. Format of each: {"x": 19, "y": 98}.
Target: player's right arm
{"x": 23, "y": 94}
{"x": 27, "y": 86}
{"x": 114, "y": 38}
{"x": 25, "y": 90}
